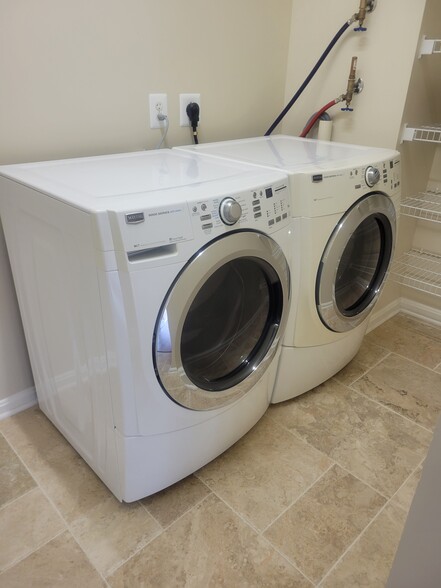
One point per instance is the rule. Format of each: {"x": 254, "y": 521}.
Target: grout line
{"x": 365, "y": 372}
{"x": 298, "y": 498}
{"x": 163, "y": 529}
{"x": 336, "y": 462}
{"x": 259, "y": 534}
{"x": 287, "y": 559}
{"x": 335, "y": 564}
{"x": 403, "y": 484}
{"x": 431, "y": 369}
{"x": 357, "y": 477}
{"x": 28, "y": 553}
{"x": 11, "y": 502}
{"x": 378, "y": 403}
{"x": 190, "y": 508}
{"x": 51, "y": 502}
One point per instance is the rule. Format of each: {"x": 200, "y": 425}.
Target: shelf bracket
{"x": 429, "y": 46}
{"x": 424, "y": 133}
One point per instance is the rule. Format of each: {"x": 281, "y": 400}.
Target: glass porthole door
{"x": 222, "y": 319}
{"x": 355, "y": 263}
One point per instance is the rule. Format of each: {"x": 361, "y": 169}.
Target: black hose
{"x": 309, "y": 78}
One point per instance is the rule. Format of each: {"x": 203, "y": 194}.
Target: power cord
{"x": 192, "y": 111}
{"x": 163, "y": 117}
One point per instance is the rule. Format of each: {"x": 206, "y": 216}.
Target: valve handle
{"x": 347, "y": 109}
{"x": 360, "y": 29}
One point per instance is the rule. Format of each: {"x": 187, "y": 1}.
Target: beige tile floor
{"x": 315, "y": 495}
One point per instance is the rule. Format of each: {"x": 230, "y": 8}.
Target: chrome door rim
{"x": 168, "y": 366}
{"x": 375, "y": 204}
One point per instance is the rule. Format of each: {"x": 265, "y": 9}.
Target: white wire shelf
{"x": 429, "y": 46}
{"x": 418, "y": 269}
{"x": 425, "y": 133}
{"x": 426, "y": 205}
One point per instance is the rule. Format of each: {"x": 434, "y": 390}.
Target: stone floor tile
{"x": 209, "y": 547}
{"x": 368, "y": 562}
{"x": 58, "y": 563}
{"x": 412, "y": 339}
{"x": 112, "y": 531}
{"x": 14, "y": 478}
{"x": 405, "y": 494}
{"x": 25, "y": 525}
{"x": 373, "y": 443}
{"x": 405, "y": 387}
{"x": 264, "y": 472}
{"x": 169, "y": 504}
{"x": 368, "y": 355}
{"x": 322, "y": 524}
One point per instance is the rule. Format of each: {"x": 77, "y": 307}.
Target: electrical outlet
{"x": 157, "y": 105}
{"x": 184, "y": 101}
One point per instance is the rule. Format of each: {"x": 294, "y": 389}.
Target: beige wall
{"x": 385, "y": 57}
{"x": 15, "y": 373}
{"x": 386, "y": 62}
{"x": 75, "y": 79}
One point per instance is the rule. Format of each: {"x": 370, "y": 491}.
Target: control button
{"x": 256, "y": 202}
{"x": 278, "y": 219}
{"x": 205, "y": 217}
{"x": 230, "y": 211}
{"x": 357, "y": 186}
{"x": 254, "y": 194}
{"x": 270, "y": 222}
{"x": 285, "y": 215}
{"x": 207, "y": 226}
{"x": 204, "y": 206}
{"x": 256, "y": 209}
{"x": 258, "y": 215}
{"x": 195, "y": 209}
{"x": 372, "y": 176}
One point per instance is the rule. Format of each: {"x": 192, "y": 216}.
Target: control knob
{"x": 230, "y": 211}
{"x": 372, "y": 176}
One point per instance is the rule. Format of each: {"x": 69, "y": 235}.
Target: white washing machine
{"x": 344, "y": 209}
{"x": 153, "y": 295}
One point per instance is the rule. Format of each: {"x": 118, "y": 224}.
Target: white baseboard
{"x": 429, "y": 314}
{"x": 17, "y": 402}
{"x": 421, "y": 311}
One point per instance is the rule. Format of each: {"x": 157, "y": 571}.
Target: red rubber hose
{"x": 315, "y": 118}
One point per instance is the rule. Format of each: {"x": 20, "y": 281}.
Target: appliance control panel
{"x": 384, "y": 175}
{"x": 265, "y": 208}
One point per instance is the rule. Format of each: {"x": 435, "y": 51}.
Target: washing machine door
{"x": 355, "y": 262}
{"x": 221, "y": 322}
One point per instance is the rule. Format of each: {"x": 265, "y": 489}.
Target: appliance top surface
{"x": 294, "y": 154}
{"x": 124, "y": 181}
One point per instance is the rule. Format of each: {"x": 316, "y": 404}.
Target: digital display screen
{"x": 269, "y": 192}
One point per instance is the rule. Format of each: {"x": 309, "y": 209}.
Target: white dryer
{"x": 153, "y": 295}
{"x": 344, "y": 209}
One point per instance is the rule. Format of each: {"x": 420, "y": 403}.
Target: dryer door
{"x": 355, "y": 262}
{"x": 222, "y": 320}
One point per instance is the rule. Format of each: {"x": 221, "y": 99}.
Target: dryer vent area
{"x": 316, "y": 493}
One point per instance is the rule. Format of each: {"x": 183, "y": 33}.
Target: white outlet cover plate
{"x": 184, "y": 101}
{"x": 154, "y": 101}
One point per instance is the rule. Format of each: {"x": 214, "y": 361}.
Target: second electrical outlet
{"x": 184, "y": 101}
{"x": 157, "y": 105}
